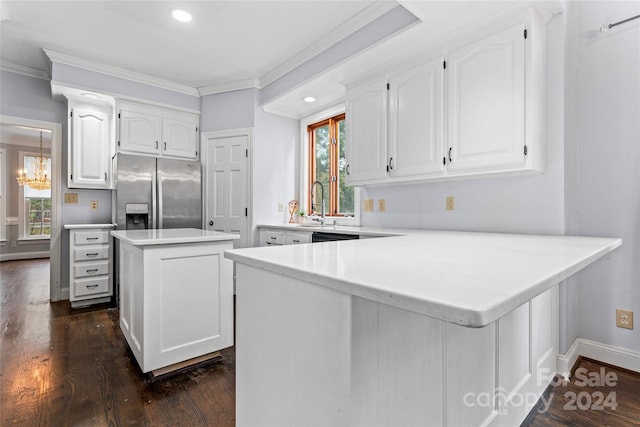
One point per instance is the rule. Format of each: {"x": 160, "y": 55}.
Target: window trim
{"x": 22, "y": 217}
{"x": 304, "y": 172}
{"x": 3, "y": 192}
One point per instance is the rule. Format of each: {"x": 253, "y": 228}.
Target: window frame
{"x": 305, "y": 171}
{"x": 3, "y": 192}
{"x": 22, "y": 215}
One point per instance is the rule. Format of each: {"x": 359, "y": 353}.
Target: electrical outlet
{"x": 382, "y": 205}
{"x": 450, "y": 203}
{"x": 70, "y": 198}
{"x": 93, "y": 205}
{"x": 624, "y": 319}
{"x": 280, "y": 207}
{"x": 368, "y": 205}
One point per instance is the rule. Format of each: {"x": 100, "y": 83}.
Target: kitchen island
{"x": 176, "y": 294}
{"x": 429, "y": 328}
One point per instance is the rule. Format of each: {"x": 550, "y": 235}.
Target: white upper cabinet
{"x": 416, "y": 121}
{"x": 139, "y": 132}
{"x": 90, "y": 146}
{"x": 180, "y": 137}
{"x": 150, "y": 130}
{"x": 367, "y": 132}
{"x": 475, "y": 109}
{"x": 486, "y": 99}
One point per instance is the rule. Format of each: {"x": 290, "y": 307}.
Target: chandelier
{"x": 38, "y": 180}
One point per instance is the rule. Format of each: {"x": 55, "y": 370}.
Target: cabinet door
{"x": 180, "y": 137}
{"x": 367, "y": 133}
{"x": 139, "y": 132}
{"x": 416, "y": 121}
{"x": 486, "y": 114}
{"x": 90, "y": 153}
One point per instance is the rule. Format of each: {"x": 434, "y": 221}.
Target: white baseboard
{"x": 23, "y": 255}
{"x": 616, "y": 356}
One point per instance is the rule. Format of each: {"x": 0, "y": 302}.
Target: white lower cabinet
{"x": 176, "y": 301}
{"x": 90, "y": 263}
{"x": 275, "y": 237}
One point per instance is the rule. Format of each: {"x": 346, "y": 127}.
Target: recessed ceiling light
{"x": 181, "y": 15}
{"x": 309, "y": 99}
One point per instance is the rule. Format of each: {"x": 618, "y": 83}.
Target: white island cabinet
{"x": 431, "y": 328}
{"x": 176, "y": 294}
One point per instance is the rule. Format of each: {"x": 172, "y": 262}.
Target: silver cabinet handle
{"x": 92, "y": 238}
{"x": 348, "y": 169}
{"x": 391, "y": 163}
{"x": 92, "y": 255}
{"x": 92, "y": 271}
{"x": 92, "y": 286}
{"x": 450, "y": 149}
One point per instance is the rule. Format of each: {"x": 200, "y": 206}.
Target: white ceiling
{"x": 227, "y": 41}
{"x": 231, "y": 44}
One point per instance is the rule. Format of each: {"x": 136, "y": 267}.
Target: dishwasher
{"x": 322, "y": 236}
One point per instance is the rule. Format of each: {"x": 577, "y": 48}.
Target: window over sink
{"x": 323, "y": 159}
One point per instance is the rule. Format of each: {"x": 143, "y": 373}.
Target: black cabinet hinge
{"x": 196, "y": 129}
{"x": 118, "y": 143}
{"x": 388, "y": 86}
{"x": 444, "y": 161}
{"x": 444, "y": 64}
{"x": 246, "y": 153}
{"x": 71, "y": 114}
{"x": 118, "y": 115}
{"x": 526, "y": 151}
{"x": 71, "y": 177}
{"x": 246, "y": 211}
{"x": 525, "y": 33}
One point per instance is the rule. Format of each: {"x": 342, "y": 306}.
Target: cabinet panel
{"x": 90, "y": 237}
{"x": 139, "y": 132}
{"x": 179, "y": 138}
{"x": 367, "y": 132}
{"x": 85, "y": 253}
{"x": 486, "y": 113}
{"x": 89, "y": 269}
{"x": 296, "y": 239}
{"x": 416, "y": 121}
{"x": 90, "y": 148}
{"x": 91, "y": 286}
{"x": 268, "y": 238}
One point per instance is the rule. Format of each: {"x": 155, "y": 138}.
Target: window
{"x": 327, "y": 165}
{"x": 35, "y": 212}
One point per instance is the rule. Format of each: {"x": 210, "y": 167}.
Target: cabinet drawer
{"x": 87, "y": 269}
{"x": 88, "y": 253}
{"x": 272, "y": 238}
{"x": 296, "y": 239}
{"x": 91, "y": 286}
{"x": 91, "y": 237}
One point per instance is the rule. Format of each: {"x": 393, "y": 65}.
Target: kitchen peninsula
{"x": 427, "y": 328}
{"x": 176, "y": 294}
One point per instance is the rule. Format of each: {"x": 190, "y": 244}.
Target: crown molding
{"x": 62, "y": 58}
{"x": 24, "y": 70}
{"x": 229, "y": 87}
{"x": 343, "y": 31}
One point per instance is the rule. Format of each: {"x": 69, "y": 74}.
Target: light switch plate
{"x": 93, "y": 205}
{"x": 368, "y": 205}
{"x": 382, "y": 205}
{"x": 70, "y": 198}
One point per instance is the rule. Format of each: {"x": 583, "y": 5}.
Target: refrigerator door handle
{"x": 154, "y": 199}
{"x": 160, "y": 212}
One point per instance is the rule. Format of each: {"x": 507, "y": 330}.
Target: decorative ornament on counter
{"x": 293, "y": 208}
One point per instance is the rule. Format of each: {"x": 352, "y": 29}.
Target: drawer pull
{"x": 92, "y": 254}
{"x": 296, "y": 241}
{"x": 273, "y": 238}
{"x": 93, "y": 270}
{"x": 92, "y": 286}
{"x": 92, "y": 238}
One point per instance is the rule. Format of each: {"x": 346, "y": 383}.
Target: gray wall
{"x": 603, "y": 180}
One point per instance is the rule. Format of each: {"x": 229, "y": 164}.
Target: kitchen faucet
{"x": 313, "y": 205}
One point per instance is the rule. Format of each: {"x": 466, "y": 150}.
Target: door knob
{"x": 211, "y": 223}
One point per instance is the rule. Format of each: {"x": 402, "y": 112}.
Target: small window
{"x": 327, "y": 165}
{"x": 36, "y": 205}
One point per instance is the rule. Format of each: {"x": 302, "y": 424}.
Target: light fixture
{"x": 309, "y": 99}
{"x": 39, "y": 179}
{"x": 181, "y": 15}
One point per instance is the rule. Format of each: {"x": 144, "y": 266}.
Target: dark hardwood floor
{"x": 63, "y": 367}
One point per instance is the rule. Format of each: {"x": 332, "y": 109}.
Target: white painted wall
{"x": 229, "y": 110}
{"x": 604, "y": 182}
{"x": 522, "y": 204}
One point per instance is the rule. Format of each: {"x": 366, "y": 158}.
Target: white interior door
{"x": 226, "y": 184}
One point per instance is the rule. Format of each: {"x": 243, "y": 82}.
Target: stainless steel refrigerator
{"x": 154, "y": 192}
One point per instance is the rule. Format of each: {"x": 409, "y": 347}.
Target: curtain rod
{"x": 606, "y": 27}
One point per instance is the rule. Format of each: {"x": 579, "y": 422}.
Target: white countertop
{"x": 86, "y": 226}
{"x": 342, "y": 229}
{"x": 170, "y": 236}
{"x": 466, "y": 278}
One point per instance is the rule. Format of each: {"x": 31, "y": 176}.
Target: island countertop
{"x": 467, "y": 278}
{"x": 170, "y": 236}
